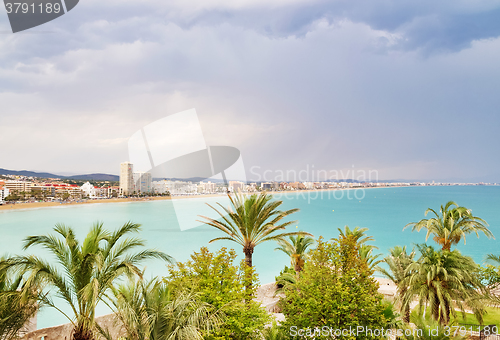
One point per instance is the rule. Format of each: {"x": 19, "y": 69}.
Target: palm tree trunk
{"x": 248, "y": 250}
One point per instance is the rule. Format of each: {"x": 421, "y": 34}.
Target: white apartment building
{"x": 4, "y": 192}
{"x": 142, "y": 182}
{"x": 126, "y": 178}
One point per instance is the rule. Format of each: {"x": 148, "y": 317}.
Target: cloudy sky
{"x": 410, "y": 89}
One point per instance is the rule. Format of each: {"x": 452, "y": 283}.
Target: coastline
{"x": 276, "y": 194}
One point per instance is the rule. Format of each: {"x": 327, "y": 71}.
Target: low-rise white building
{"x": 88, "y": 190}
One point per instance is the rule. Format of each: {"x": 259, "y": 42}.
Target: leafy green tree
{"x": 221, "y": 283}
{"x": 451, "y": 225}
{"x": 398, "y": 261}
{"x": 251, "y": 220}
{"x": 149, "y": 310}
{"x": 335, "y": 289}
{"x": 18, "y": 303}
{"x": 296, "y": 248}
{"x": 445, "y": 280}
{"x": 86, "y": 270}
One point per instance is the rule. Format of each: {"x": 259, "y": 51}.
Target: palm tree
{"x": 445, "y": 280}
{"x": 250, "y": 221}
{"x": 285, "y": 281}
{"x": 18, "y": 303}
{"x": 451, "y": 225}
{"x": 296, "y": 248}
{"x": 358, "y": 234}
{"x": 365, "y": 251}
{"x": 398, "y": 261}
{"x": 150, "y": 311}
{"x": 493, "y": 258}
{"x": 85, "y": 271}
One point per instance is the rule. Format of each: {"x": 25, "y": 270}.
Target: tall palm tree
{"x": 18, "y": 303}
{"x": 451, "y": 225}
{"x": 149, "y": 310}
{"x": 86, "y": 271}
{"x": 398, "y": 261}
{"x": 250, "y": 221}
{"x": 445, "y": 280}
{"x": 296, "y": 248}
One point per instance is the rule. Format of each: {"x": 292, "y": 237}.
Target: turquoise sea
{"x": 385, "y": 211}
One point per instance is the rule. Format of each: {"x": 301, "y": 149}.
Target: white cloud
{"x": 338, "y": 93}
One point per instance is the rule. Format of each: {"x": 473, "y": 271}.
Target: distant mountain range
{"x": 88, "y": 177}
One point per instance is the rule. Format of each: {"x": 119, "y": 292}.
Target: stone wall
{"x": 63, "y": 332}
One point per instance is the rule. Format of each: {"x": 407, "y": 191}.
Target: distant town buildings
{"x": 31, "y": 189}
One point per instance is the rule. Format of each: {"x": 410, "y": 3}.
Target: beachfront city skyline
{"x": 131, "y": 183}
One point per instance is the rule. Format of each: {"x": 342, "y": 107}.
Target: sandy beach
{"x": 277, "y": 194}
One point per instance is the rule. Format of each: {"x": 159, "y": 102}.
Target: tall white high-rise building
{"x": 142, "y": 182}
{"x": 126, "y": 178}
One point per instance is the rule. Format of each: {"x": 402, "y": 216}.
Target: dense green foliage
{"x": 335, "y": 289}
{"x": 224, "y": 285}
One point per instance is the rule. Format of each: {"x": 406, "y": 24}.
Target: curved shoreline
{"x": 276, "y": 194}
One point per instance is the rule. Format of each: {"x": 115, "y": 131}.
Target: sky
{"x": 401, "y": 89}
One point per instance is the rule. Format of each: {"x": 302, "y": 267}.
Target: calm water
{"x": 384, "y": 211}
